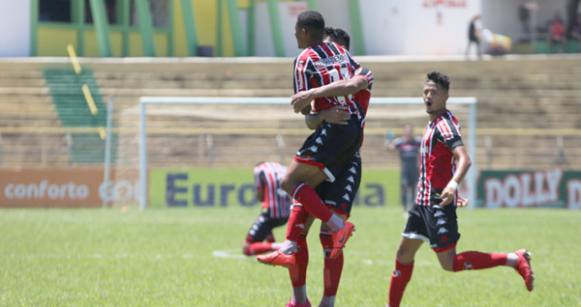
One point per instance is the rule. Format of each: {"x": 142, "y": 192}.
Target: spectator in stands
{"x": 576, "y": 31}
{"x": 474, "y": 29}
{"x": 525, "y": 10}
{"x": 557, "y": 33}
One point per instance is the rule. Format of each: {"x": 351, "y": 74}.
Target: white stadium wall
{"x": 288, "y": 11}
{"x": 501, "y": 16}
{"x": 15, "y": 28}
{"x": 391, "y": 27}
{"x": 417, "y": 27}
{"x": 336, "y": 14}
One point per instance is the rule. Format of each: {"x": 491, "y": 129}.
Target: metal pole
{"x": 312, "y": 5}
{"x": 473, "y": 172}
{"x": 101, "y": 27}
{"x": 220, "y": 29}
{"x": 250, "y": 23}
{"x": 235, "y": 29}
{"x": 356, "y": 27}
{"x": 145, "y": 27}
{"x": 142, "y": 155}
{"x": 275, "y": 27}
{"x": 190, "y": 27}
{"x": 107, "y": 166}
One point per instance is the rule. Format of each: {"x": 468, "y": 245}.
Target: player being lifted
{"x": 275, "y": 208}
{"x": 443, "y": 164}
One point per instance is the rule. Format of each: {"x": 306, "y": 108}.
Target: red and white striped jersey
{"x": 321, "y": 65}
{"x": 437, "y": 163}
{"x": 363, "y": 96}
{"x": 268, "y": 177}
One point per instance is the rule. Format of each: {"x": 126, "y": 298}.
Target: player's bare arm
{"x": 339, "y": 88}
{"x": 260, "y": 188}
{"x": 464, "y": 163}
{"x": 338, "y": 115}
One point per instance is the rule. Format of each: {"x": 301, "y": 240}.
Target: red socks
{"x": 295, "y": 226}
{"x": 464, "y": 261}
{"x": 298, "y": 272}
{"x": 309, "y": 198}
{"x": 476, "y": 260}
{"x": 257, "y": 248}
{"x": 333, "y": 267}
{"x": 399, "y": 280}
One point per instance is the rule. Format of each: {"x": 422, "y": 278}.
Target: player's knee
{"x": 326, "y": 242}
{"x": 287, "y": 184}
{"x": 447, "y": 266}
{"x": 405, "y": 255}
{"x": 246, "y": 250}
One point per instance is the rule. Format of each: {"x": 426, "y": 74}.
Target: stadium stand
{"x": 525, "y": 105}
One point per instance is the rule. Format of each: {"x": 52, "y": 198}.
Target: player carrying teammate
{"x": 443, "y": 164}
{"x": 338, "y": 195}
{"x": 275, "y": 208}
{"x": 328, "y": 150}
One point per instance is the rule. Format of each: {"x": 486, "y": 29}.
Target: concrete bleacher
{"x": 525, "y": 104}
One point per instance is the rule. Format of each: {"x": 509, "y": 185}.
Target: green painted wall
{"x": 52, "y": 38}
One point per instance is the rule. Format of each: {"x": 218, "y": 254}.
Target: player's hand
{"x": 447, "y": 196}
{"x": 335, "y": 115}
{"x": 301, "y": 100}
{"x": 461, "y": 202}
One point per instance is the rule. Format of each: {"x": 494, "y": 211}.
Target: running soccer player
{"x": 275, "y": 208}
{"x": 443, "y": 164}
{"x": 329, "y": 149}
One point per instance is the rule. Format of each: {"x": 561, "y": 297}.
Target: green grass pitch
{"x": 191, "y": 257}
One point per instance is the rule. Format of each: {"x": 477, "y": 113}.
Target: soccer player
{"x": 443, "y": 164}
{"x": 408, "y": 146}
{"x": 330, "y": 148}
{"x": 340, "y": 194}
{"x": 275, "y": 208}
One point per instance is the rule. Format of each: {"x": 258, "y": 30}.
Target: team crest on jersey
{"x": 330, "y": 61}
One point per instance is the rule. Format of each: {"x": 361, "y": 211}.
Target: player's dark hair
{"x": 440, "y": 79}
{"x": 339, "y": 36}
{"x": 313, "y": 22}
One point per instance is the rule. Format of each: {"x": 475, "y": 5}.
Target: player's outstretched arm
{"x": 464, "y": 163}
{"x": 338, "y": 88}
{"x": 390, "y": 141}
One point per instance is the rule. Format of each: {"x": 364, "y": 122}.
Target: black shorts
{"x": 340, "y": 194}
{"x": 332, "y": 146}
{"x": 434, "y": 224}
{"x": 263, "y": 226}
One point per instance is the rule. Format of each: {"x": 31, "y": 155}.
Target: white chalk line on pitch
{"x": 98, "y": 256}
{"x": 236, "y": 255}
{"x": 229, "y": 254}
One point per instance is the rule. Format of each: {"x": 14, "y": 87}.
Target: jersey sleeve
{"x": 354, "y": 64}
{"x": 301, "y": 74}
{"x": 259, "y": 178}
{"x": 449, "y": 134}
{"x": 398, "y": 142}
{"x": 363, "y": 72}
